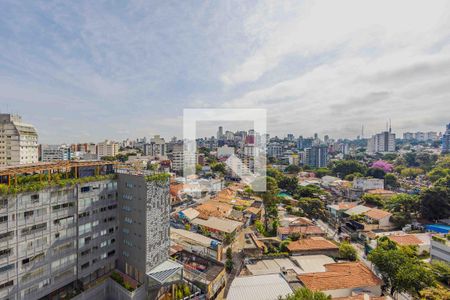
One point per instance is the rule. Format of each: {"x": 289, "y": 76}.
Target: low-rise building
{"x": 259, "y": 287}
{"x": 302, "y": 231}
{"x": 410, "y": 240}
{"x": 440, "y": 248}
{"x": 343, "y": 279}
{"x": 313, "y": 246}
{"x": 218, "y": 227}
{"x": 197, "y": 243}
{"x": 206, "y": 273}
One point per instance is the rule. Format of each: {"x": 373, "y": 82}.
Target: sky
{"x": 85, "y": 71}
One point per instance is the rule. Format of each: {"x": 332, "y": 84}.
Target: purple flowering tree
{"x": 381, "y": 164}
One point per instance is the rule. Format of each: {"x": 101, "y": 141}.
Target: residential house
{"x": 313, "y": 246}
{"x": 343, "y": 279}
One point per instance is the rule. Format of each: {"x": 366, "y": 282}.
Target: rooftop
{"x": 198, "y": 238}
{"x": 307, "y": 230}
{"x": 347, "y": 275}
{"x": 260, "y": 287}
{"x": 272, "y": 266}
{"x": 377, "y": 214}
{"x": 312, "y": 263}
{"x": 223, "y": 225}
{"x": 313, "y": 243}
{"x": 357, "y": 210}
{"x": 406, "y": 240}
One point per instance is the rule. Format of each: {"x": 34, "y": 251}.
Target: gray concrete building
{"x": 63, "y": 236}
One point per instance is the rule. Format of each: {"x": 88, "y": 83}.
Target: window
{"x": 85, "y": 189}
{"x": 5, "y": 252}
{"x": 35, "y": 198}
{"x": 3, "y": 219}
{"x": 3, "y": 203}
{"x": 128, "y": 220}
{"x": 6, "y": 268}
{"x": 84, "y": 266}
{"x": 28, "y": 214}
{"x": 34, "y": 228}
{"x": 6, "y": 235}
{"x": 103, "y": 232}
{"x": 6, "y": 284}
{"x": 85, "y": 252}
{"x": 126, "y": 254}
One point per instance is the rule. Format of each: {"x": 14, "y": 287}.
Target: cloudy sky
{"x": 90, "y": 70}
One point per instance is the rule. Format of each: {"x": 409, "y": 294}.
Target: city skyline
{"x": 130, "y": 70}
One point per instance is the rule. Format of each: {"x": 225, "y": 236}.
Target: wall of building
{"x": 42, "y": 231}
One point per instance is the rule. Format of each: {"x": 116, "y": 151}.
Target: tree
{"x": 269, "y": 198}
{"x": 351, "y": 177}
{"x": 320, "y": 172}
{"x": 400, "y": 271}
{"x": 312, "y": 207}
{"x": 441, "y": 271}
{"x": 403, "y": 207}
{"x": 229, "y": 265}
{"x": 438, "y": 173}
{"x": 342, "y": 168}
{"x": 434, "y": 293}
{"x": 307, "y": 191}
{"x": 305, "y": 294}
{"x": 371, "y": 199}
{"x": 411, "y": 172}
{"x": 229, "y": 253}
{"x": 390, "y": 180}
{"x": 288, "y": 184}
{"x": 435, "y": 203}
{"x": 218, "y": 168}
{"x": 293, "y": 169}
{"x": 376, "y": 173}
{"x": 347, "y": 251}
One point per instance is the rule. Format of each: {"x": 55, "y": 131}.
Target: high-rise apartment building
{"x": 446, "y": 140}
{"x": 157, "y": 147}
{"x": 316, "y": 156}
{"x": 54, "y": 153}
{"x": 144, "y": 221}
{"x": 59, "y": 240}
{"x": 18, "y": 141}
{"x": 382, "y": 142}
{"x": 274, "y": 150}
{"x": 107, "y": 148}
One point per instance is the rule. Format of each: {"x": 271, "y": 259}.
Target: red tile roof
{"x": 406, "y": 240}
{"x": 377, "y": 214}
{"x": 340, "y": 276}
{"x": 313, "y": 243}
{"x": 307, "y": 230}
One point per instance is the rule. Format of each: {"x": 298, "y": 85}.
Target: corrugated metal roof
{"x": 261, "y": 287}
{"x": 164, "y": 270}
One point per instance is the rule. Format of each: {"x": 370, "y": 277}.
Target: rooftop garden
{"x": 161, "y": 177}
{"x": 117, "y": 277}
{"x": 35, "y": 183}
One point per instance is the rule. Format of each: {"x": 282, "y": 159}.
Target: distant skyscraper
{"x": 446, "y": 140}
{"x": 382, "y": 142}
{"x": 220, "y": 133}
{"x": 316, "y": 156}
{"x": 18, "y": 141}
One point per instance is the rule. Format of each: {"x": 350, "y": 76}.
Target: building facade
{"x": 59, "y": 240}
{"x": 382, "y": 142}
{"x": 316, "y": 156}
{"x": 18, "y": 141}
{"x": 54, "y": 153}
{"x": 446, "y": 140}
{"x": 107, "y": 148}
